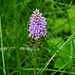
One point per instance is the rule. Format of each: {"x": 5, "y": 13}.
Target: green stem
{"x": 2, "y": 48}
{"x": 35, "y": 60}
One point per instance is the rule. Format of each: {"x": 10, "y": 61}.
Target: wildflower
{"x": 37, "y": 26}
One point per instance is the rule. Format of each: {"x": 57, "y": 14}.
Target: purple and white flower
{"x": 37, "y": 26}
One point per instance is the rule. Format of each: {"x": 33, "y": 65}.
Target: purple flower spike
{"x": 37, "y": 26}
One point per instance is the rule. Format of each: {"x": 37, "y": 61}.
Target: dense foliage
{"x": 57, "y": 53}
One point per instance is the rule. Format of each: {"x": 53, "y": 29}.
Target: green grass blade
{"x": 2, "y": 48}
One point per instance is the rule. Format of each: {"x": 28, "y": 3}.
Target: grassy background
{"x": 57, "y": 54}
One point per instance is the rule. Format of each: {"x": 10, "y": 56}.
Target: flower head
{"x": 37, "y": 26}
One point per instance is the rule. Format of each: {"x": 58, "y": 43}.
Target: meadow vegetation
{"x": 57, "y": 53}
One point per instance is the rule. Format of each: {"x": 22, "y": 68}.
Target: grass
{"x": 56, "y": 55}
{"x": 2, "y": 48}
